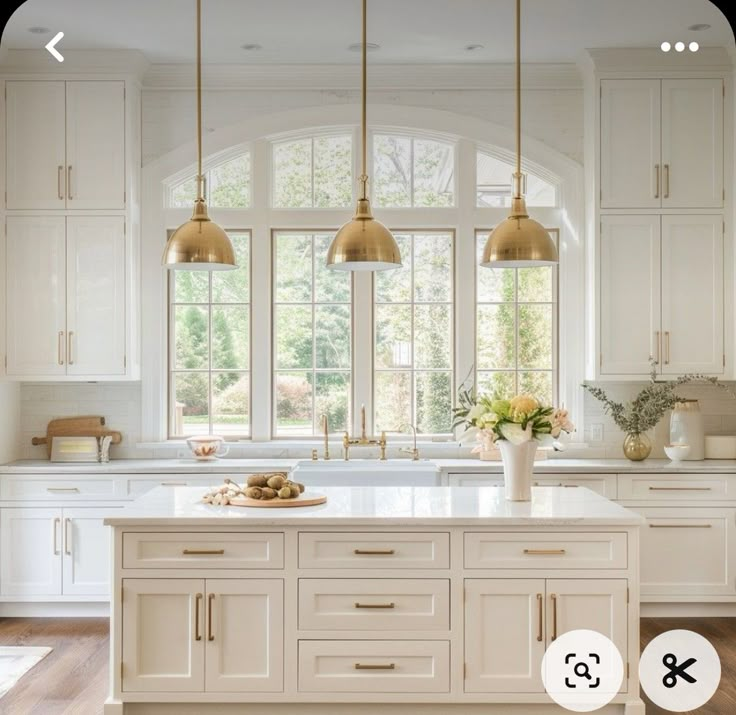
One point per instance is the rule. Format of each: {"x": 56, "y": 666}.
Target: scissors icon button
{"x": 675, "y": 670}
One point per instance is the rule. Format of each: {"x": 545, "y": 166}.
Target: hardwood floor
{"x": 72, "y": 680}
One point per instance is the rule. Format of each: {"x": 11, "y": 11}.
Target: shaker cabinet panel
{"x": 36, "y": 155}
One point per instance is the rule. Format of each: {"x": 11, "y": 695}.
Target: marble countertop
{"x": 385, "y": 506}
{"x": 149, "y": 466}
{"x": 597, "y": 466}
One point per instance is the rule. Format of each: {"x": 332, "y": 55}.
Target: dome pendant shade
{"x": 519, "y": 242}
{"x": 199, "y": 245}
{"x": 363, "y": 244}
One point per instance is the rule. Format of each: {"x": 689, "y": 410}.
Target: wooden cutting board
{"x": 301, "y": 500}
{"x": 84, "y": 426}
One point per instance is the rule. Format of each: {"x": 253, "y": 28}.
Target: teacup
{"x": 207, "y": 447}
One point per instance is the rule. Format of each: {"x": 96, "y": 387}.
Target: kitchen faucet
{"x": 415, "y": 451}
{"x": 347, "y": 441}
{"x": 325, "y": 427}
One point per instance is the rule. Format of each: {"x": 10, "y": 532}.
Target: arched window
{"x": 493, "y": 184}
{"x": 226, "y": 185}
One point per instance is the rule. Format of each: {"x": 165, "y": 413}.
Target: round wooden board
{"x": 301, "y": 500}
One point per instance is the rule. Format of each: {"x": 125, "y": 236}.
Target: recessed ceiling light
{"x": 665, "y": 47}
{"x": 679, "y": 46}
{"x": 369, "y": 46}
{"x": 694, "y": 46}
{"x": 474, "y": 48}
{"x": 699, "y": 26}
{"x": 35, "y": 30}
{"x": 251, "y": 46}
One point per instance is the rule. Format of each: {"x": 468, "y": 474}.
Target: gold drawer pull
{"x": 540, "y": 599}
{"x": 553, "y": 596}
{"x": 203, "y": 552}
{"x": 197, "y": 601}
{"x": 545, "y": 552}
{"x": 210, "y": 608}
{"x": 173, "y": 484}
{"x": 374, "y": 552}
{"x": 680, "y": 489}
{"x": 53, "y": 490}
{"x": 375, "y": 605}
{"x": 376, "y": 666}
{"x": 680, "y": 526}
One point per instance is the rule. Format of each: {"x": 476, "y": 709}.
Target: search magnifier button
{"x": 582, "y": 671}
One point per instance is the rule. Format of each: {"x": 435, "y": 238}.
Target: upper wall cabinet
{"x": 65, "y": 145}
{"x": 661, "y": 143}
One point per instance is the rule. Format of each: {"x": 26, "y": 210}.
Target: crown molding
{"x": 122, "y": 63}
{"x": 347, "y": 77}
{"x": 651, "y": 59}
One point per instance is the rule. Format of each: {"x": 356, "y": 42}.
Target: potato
{"x": 254, "y": 492}
{"x": 268, "y": 493}
{"x": 294, "y": 490}
{"x": 301, "y": 487}
{"x": 284, "y": 493}
{"x": 257, "y": 480}
{"x": 276, "y": 482}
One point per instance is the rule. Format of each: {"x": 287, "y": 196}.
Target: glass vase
{"x": 637, "y": 446}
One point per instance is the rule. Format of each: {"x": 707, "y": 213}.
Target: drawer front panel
{"x": 135, "y": 486}
{"x": 59, "y": 488}
{"x": 358, "y": 550}
{"x": 500, "y": 550}
{"x": 203, "y": 551}
{"x": 686, "y": 488}
{"x": 603, "y": 484}
{"x": 374, "y": 604}
{"x": 374, "y": 666}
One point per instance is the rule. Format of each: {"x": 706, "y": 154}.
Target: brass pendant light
{"x": 199, "y": 244}
{"x": 519, "y": 241}
{"x": 363, "y": 244}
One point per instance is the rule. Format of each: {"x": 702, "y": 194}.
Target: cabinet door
{"x": 95, "y": 295}
{"x": 629, "y": 294}
{"x": 36, "y": 299}
{"x": 504, "y": 642}
{"x": 95, "y": 115}
{"x": 630, "y": 143}
{"x": 692, "y": 294}
{"x": 30, "y": 552}
{"x": 687, "y": 551}
{"x": 35, "y": 130}
{"x": 163, "y": 635}
{"x": 692, "y": 143}
{"x": 245, "y": 634}
{"x": 86, "y": 560}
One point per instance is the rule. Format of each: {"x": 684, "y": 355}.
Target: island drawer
{"x": 203, "y": 551}
{"x": 676, "y": 487}
{"x": 138, "y": 485}
{"x": 374, "y": 604}
{"x": 53, "y": 488}
{"x": 374, "y": 666}
{"x": 366, "y": 550}
{"x": 503, "y": 550}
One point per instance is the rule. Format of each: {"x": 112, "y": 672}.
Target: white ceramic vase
{"x": 518, "y": 467}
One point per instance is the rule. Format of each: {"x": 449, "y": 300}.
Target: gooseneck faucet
{"x": 415, "y": 451}
{"x": 325, "y": 427}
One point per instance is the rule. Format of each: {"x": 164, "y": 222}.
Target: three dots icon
{"x": 679, "y": 46}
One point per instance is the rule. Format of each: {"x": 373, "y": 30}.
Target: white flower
{"x": 515, "y": 434}
{"x": 475, "y": 412}
{"x": 470, "y": 435}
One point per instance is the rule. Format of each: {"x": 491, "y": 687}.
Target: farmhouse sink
{"x": 367, "y": 473}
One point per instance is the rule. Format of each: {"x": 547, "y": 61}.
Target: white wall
{"x": 9, "y": 421}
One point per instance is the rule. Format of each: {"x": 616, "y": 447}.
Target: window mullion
{"x": 363, "y": 317}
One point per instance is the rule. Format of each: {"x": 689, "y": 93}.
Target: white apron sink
{"x": 367, "y": 473}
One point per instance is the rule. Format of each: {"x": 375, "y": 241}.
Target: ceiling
{"x": 408, "y": 31}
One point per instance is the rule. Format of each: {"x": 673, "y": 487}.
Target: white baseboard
{"x": 687, "y": 610}
{"x": 55, "y": 610}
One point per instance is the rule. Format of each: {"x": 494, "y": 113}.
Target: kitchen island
{"x": 422, "y": 599}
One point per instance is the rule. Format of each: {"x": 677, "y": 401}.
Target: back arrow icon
{"x": 52, "y": 49}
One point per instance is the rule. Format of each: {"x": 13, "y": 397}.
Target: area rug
{"x": 16, "y": 661}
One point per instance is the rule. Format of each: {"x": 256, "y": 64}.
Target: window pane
{"x": 433, "y": 173}
{"x": 495, "y": 285}
{"x": 434, "y": 402}
{"x": 432, "y": 336}
{"x": 432, "y": 268}
{"x": 234, "y": 286}
{"x": 190, "y": 404}
{"x": 499, "y": 385}
{"x": 294, "y": 403}
{"x": 293, "y": 336}
{"x": 535, "y": 336}
{"x": 333, "y": 171}
{"x": 292, "y": 174}
{"x": 393, "y": 336}
{"x": 191, "y": 332}
{"x": 535, "y": 284}
{"x": 394, "y": 286}
{"x": 392, "y": 170}
{"x": 393, "y": 400}
{"x": 230, "y": 403}
{"x": 228, "y": 185}
{"x": 333, "y": 398}
{"x": 496, "y": 336}
{"x": 230, "y": 337}
{"x": 329, "y": 286}
{"x": 293, "y": 268}
{"x": 494, "y": 179}
{"x": 538, "y": 384}
{"x": 191, "y": 286}
{"x": 332, "y": 336}
{"x": 183, "y": 194}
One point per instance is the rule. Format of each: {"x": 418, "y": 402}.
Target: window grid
{"x": 183, "y": 193}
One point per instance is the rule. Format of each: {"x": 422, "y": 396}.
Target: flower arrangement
{"x": 518, "y": 420}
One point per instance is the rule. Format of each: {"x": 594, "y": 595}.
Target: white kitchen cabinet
{"x": 630, "y": 294}
{"x": 692, "y": 143}
{"x": 35, "y": 145}
{"x": 66, "y": 298}
{"x": 505, "y": 640}
{"x": 95, "y": 254}
{"x": 630, "y": 147}
{"x": 66, "y": 145}
{"x": 86, "y": 558}
{"x": 692, "y": 294}
{"x": 36, "y": 301}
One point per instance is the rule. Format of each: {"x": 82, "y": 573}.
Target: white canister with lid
{"x": 686, "y": 427}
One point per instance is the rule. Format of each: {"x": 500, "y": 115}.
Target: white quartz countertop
{"x": 150, "y": 466}
{"x": 596, "y": 466}
{"x": 384, "y": 506}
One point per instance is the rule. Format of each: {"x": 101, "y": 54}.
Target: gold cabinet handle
{"x": 203, "y": 552}
{"x": 540, "y": 603}
{"x": 197, "y": 601}
{"x": 680, "y": 526}
{"x": 667, "y": 346}
{"x": 173, "y": 484}
{"x": 658, "y": 345}
{"x": 679, "y": 489}
{"x": 57, "y": 523}
{"x": 62, "y": 490}
{"x": 666, "y": 181}
{"x": 59, "y": 172}
{"x": 210, "y": 608}
{"x": 60, "y": 347}
{"x": 67, "y": 537}
{"x": 545, "y": 552}
{"x": 656, "y": 189}
{"x": 69, "y": 182}
{"x": 553, "y": 596}
{"x": 70, "y": 359}
{"x": 375, "y": 666}
{"x": 374, "y": 552}
{"x": 375, "y": 605}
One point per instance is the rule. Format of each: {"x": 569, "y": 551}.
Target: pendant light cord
{"x": 200, "y": 197}
{"x": 364, "y": 112}
{"x": 517, "y": 176}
